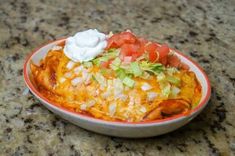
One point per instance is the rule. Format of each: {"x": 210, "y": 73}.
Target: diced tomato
{"x": 153, "y": 56}
{"x": 164, "y": 60}
{"x": 142, "y": 41}
{"x": 132, "y": 46}
{"x": 117, "y": 40}
{"x": 139, "y": 52}
{"x": 151, "y": 49}
{"x": 173, "y": 61}
{"x": 163, "y": 51}
{"x": 113, "y": 42}
{"x": 127, "y": 37}
{"x": 129, "y": 49}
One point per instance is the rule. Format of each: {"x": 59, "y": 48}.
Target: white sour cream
{"x": 85, "y": 46}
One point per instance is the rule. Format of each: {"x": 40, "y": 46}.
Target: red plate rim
{"x": 159, "y": 121}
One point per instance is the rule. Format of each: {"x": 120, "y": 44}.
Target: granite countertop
{"x": 203, "y": 30}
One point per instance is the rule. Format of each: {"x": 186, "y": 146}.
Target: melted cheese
{"x": 74, "y": 88}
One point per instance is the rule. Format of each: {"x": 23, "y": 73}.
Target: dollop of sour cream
{"x": 85, "y": 46}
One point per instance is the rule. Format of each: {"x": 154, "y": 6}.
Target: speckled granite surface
{"x": 204, "y": 30}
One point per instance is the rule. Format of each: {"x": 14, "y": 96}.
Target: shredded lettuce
{"x": 98, "y": 60}
{"x": 128, "y": 82}
{"x": 110, "y": 54}
{"x": 154, "y": 68}
{"x": 93, "y": 77}
{"x": 166, "y": 89}
{"x": 135, "y": 68}
{"x": 171, "y": 70}
{"x": 115, "y": 64}
{"x": 145, "y": 75}
{"x": 88, "y": 64}
{"x": 121, "y": 73}
{"x": 161, "y": 76}
{"x": 173, "y": 80}
{"x": 113, "y": 51}
{"x": 105, "y": 71}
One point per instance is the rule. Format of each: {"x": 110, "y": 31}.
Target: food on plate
{"x": 116, "y": 77}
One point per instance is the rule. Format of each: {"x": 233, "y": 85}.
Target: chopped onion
{"x": 112, "y": 108}
{"x": 84, "y": 75}
{"x": 106, "y": 94}
{"x": 76, "y": 81}
{"x": 101, "y": 79}
{"x": 102, "y": 87}
{"x": 175, "y": 91}
{"x": 146, "y": 87}
{"x": 62, "y": 80}
{"x": 118, "y": 87}
{"x": 97, "y": 91}
{"x": 151, "y": 96}
{"x": 68, "y": 75}
{"x": 126, "y": 88}
{"x": 143, "y": 109}
{"x": 127, "y": 59}
{"x": 77, "y": 70}
{"x": 70, "y": 65}
{"x": 122, "y": 97}
{"x": 83, "y": 106}
{"x": 131, "y": 101}
{"x": 137, "y": 100}
{"x": 88, "y": 78}
{"x": 91, "y": 103}
{"x": 110, "y": 85}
